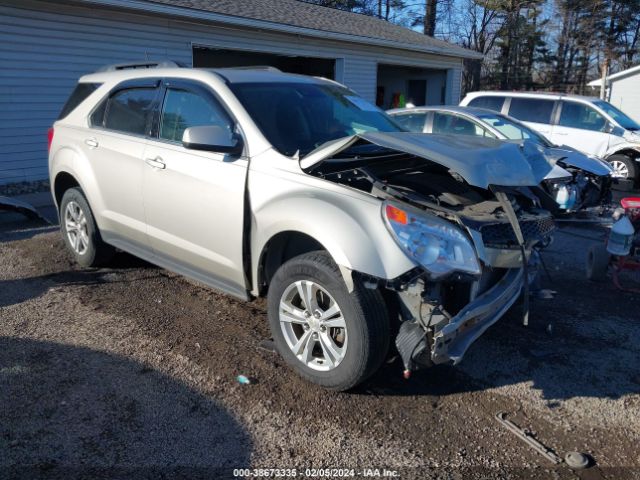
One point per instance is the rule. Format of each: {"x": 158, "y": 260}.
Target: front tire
{"x": 624, "y": 167}
{"x": 329, "y": 336}
{"x": 80, "y": 232}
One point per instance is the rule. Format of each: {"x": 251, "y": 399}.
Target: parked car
{"x": 578, "y": 182}
{"x": 588, "y": 124}
{"x": 261, "y": 183}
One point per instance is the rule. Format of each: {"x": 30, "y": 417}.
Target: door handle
{"x": 156, "y": 163}
{"x": 561, "y": 133}
{"x": 91, "y": 142}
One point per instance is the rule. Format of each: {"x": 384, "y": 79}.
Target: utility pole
{"x": 605, "y": 74}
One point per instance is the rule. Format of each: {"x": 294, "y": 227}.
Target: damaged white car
{"x": 578, "y": 183}
{"x": 260, "y": 183}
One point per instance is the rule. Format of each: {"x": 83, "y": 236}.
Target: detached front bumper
{"x": 453, "y": 340}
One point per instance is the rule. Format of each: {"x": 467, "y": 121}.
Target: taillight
{"x": 49, "y": 138}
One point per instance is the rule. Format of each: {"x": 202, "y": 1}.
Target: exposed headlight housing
{"x": 436, "y": 244}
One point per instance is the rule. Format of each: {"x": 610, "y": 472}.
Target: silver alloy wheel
{"x": 75, "y": 223}
{"x": 313, "y": 325}
{"x": 620, "y": 170}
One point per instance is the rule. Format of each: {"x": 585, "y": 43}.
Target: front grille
{"x": 502, "y": 234}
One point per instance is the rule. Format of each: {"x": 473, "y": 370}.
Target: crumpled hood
{"x": 480, "y": 161}
{"x": 574, "y": 158}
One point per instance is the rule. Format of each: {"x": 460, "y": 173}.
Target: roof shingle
{"x": 305, "y": 15}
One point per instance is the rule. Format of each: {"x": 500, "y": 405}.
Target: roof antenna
{"x": 146, "y": 55}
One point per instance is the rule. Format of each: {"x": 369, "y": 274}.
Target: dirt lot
{"x": 130, "y": 372}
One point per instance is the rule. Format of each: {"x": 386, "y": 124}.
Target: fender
{"x": 574, "y": 158}
{"x": 621, "y": 147}
{"x": 352, "y": 231}
{"x": 70, "y": 160}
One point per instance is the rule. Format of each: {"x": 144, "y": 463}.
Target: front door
{"x": 194, "y": 200}
{"x": 581, "y": 127}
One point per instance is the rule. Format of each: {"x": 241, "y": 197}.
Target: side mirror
{"x": 212, "y": 138}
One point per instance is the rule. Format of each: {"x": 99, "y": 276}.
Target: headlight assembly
{"x": 436, "y": 244}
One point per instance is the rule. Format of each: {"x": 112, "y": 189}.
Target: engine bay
{"x": 507, "y": 225}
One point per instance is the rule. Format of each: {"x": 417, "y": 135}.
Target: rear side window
{"x": 454, "y": 125}
{"x": 531, "y": 109}
{"x": 413, "y": 122}
{"x": 129, "y": 111}
{"x": 577, "y": 115}
{"x": 490, "y": 103}
{"x": 79, "y": 95}
{"x": 184, "y": 109}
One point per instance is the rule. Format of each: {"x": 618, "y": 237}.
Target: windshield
{"x": 513, "y": 130}
{"x": 298, "y": 117}
{"x": 623, "y": 120}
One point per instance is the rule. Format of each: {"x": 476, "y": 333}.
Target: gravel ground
{"x": 22, "y": 188}
{"x": 130, "y": 372}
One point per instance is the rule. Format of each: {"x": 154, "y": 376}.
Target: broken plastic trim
{"x": 515, "y": 224}
{"x": 451, "y": 343}
{"x": 26, "y": 209}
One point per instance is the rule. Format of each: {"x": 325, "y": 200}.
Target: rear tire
{"x": 597, "y": 263}
{"x": 332, "y": 356}
{"x": 80, "y": 232}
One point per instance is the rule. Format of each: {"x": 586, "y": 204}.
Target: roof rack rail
{"x": 138, "y": 65}
{"x": 255, "y": 67}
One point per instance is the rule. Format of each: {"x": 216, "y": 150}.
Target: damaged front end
{"x": 577, "y": 184}
{"x": 464, "y": 210}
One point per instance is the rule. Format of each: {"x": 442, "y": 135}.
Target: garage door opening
{"x": 206, "y": 57}
{"x": 400, "y": 85}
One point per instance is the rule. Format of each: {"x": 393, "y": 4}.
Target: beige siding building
{"x": 623, "y": 91}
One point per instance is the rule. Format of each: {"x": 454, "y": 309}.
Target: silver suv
{"x": 260, "y": 183}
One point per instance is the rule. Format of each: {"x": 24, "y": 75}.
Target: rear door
{"x": 582, "y": 127}
{"x": 535, "y": 112}
{"x": 194, "y": 200}
{"x": 115, "y": 145}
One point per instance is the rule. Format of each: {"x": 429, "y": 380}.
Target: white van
{"x": 585, "y": 123}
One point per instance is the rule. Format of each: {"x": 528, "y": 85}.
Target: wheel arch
{"x": 62, "y": 182}
{"x": 280, "y": 248}
{"x": 351, "y": 232}
{"x": 624, "y": 150}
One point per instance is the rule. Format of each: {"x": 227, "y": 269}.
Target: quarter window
{"x": 129, "y": 110}
{"x": 490, "y": 103}
{"x": 533, "y": 110}
{"x": 453, "y": 124}
{"x": 413, "y": 122}
{"x": 184, "y": 109}
{"x": 79, "y": 95}
{"x": 577, "y": 115}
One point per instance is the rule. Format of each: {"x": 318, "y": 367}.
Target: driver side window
{"x": 577, "y": 115}
{"x": 183, "y": 109}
